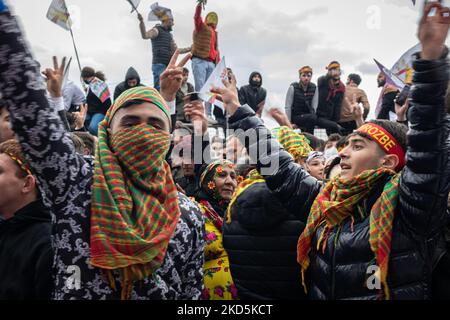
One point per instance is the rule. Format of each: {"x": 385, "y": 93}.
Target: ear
{"x": 29, "y": 185}
{"x": 390, "y": 161}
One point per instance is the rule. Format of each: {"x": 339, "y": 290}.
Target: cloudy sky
{"x": 273, "y": 37}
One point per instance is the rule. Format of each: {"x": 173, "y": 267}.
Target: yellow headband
{"x": 212, "y": 18}
{"x": 306, "y": 69}
{"x": 333, "y": 66}
{"x": 20, "y": 163}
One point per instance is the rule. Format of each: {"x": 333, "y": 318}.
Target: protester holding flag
{"x": 385, "y": 213}
{"x": 98, "y": 97}
{"x": 163, "y": 44}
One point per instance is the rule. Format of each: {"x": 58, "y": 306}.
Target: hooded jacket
{"x": 26, "y": 254}
{"x": 253, "y": 94}
{"x": 123, "y": 86}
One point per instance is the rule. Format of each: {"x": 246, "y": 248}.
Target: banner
{"x": 58, "y": 13}
{"x": 391, "y": 77}
{"x": 158, "y": 13}
{"x": 100, "y": 89}
{"x": 219, "y": 74}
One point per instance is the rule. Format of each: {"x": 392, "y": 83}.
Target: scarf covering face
{"x": 208, "y": 188}
{"x": 337, "y": 202}
{"x": 135, "y": 202}
{"x": 295, "y": 144}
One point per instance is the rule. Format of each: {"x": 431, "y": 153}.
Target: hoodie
{"x": 252, "y": 94}
{"x": 26, "y": 254}
{"x": 123, "y": 86}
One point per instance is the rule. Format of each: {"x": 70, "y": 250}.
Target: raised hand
{"x": 401, "y": 111}
{"x": 55, "y": 77}
{"x": 140, "y": 17}
{"x": 80, "y": 117}
{"x": 228, "y": 95}
{"x": 433, "y": 30}
{"x": 172, "y": 77}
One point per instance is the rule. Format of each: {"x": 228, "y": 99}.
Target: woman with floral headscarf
{"x": 218, "y": 182}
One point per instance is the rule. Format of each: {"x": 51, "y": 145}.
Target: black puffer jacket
{"x": 261, "y": 242}
{"x": 26, "y": 254}
{"x": 341, "y": 271}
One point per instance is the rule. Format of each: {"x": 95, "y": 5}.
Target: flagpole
{"x": 76, "y": 54}
{"x": 134, "y": 7}
{"x": 75, "y": 47}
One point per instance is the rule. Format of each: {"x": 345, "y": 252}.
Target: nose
{"x": 343, "y": 154}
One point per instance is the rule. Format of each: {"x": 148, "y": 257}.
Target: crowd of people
{"x": 131, "y": 197}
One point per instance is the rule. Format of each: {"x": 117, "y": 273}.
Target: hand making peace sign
{"x": 172, "y": 77}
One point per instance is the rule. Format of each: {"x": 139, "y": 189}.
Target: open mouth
{"x": 345, "y": 166}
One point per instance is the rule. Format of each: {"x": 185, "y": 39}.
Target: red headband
{"x": 386, "y": 141}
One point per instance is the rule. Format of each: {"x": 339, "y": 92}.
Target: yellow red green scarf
{"x": 336, "y": 202}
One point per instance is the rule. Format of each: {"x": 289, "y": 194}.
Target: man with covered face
{"x": 254, "y": 94}
{"x": 205, "y": 49}
{"x": 119, "y": 223}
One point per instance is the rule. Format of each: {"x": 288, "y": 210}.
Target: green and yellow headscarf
{"x": 135, "y": 207}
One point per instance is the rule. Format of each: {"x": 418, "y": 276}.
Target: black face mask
{"x": 86, "y": 81}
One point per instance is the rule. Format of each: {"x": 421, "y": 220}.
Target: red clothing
{"x": 199, "y": 23}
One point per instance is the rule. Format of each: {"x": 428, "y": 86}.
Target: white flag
{"x": 59, "y": 14}
{"x": 134, "y": 4}
{"x": 158, "y": 13}
{"x": 219, "y": 74}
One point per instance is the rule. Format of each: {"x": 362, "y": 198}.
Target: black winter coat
{"x": 341, "y": 271}
{"x": 26, "y": 255}
{"x": 261, "y": 242}
{"x": 123, "y": 86}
